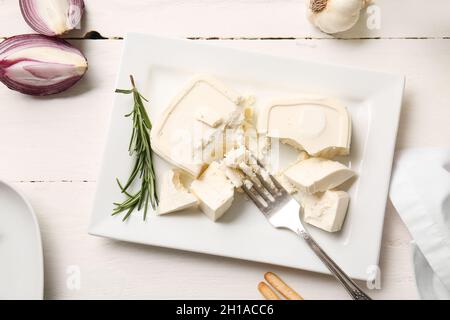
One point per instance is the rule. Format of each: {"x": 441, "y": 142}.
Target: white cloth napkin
{"x": 420, "y": 192}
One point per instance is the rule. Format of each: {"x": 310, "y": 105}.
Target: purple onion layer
{"x": 58, "y": 22}
{"x": 40, "y": 65}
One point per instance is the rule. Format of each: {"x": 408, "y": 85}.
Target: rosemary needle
{"x": 141, "y": 149}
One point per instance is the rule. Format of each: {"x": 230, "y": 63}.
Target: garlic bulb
{"x": 52, "y": 17}
{"x": 39, "y": 65}
{"x": 332, "y": 16}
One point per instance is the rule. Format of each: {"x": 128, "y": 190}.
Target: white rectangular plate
{"x": 163, "y": 66}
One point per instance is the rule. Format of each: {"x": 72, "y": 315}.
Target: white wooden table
{"x": 51, "y": 148}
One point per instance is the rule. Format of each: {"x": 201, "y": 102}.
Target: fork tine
{"x": 264, "y": 176}
{"x": 251, "y": 193}
{"x": 264, "y": 193}
{"x": 273, "y": 192}
{"x": 278, "y": 185}
{"x": 256, "y": 170}
{"x": 258, "y": 185}
{"x": 280, "y": 190}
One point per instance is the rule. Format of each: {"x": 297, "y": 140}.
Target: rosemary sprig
{"x": 143, "y": 170}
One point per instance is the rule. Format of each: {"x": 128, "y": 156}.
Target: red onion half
{"x": 39, "y": 65}
{"x": 52, "y": 17}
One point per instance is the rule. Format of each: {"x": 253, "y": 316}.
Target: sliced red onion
{"x": 52, "y": 17}
{"x": 39, "y": 65}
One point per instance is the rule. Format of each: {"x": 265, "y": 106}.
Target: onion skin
{"x": 38, "y": 65}
{"x": 50, "y": 19}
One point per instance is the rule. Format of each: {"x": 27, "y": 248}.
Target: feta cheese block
{"x": 326, "y": 210}
{"x": 188, "y": 130}
{"x": 321, "y": 127}
{"x": 317, "y": 175}
{"x": 214, "y": 190}
{"x": 285, "y": 182}
{"x": 174, "y": 196}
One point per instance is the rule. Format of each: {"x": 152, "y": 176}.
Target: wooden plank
{"x": 62, "y": 138}
{"x": 140, "y": 272}
{"x": 242, "y": 19}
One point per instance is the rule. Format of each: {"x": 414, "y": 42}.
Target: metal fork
{"x": 283, "y": 211}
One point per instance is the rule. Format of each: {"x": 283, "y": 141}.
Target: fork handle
{"x": 352, "y": 288}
